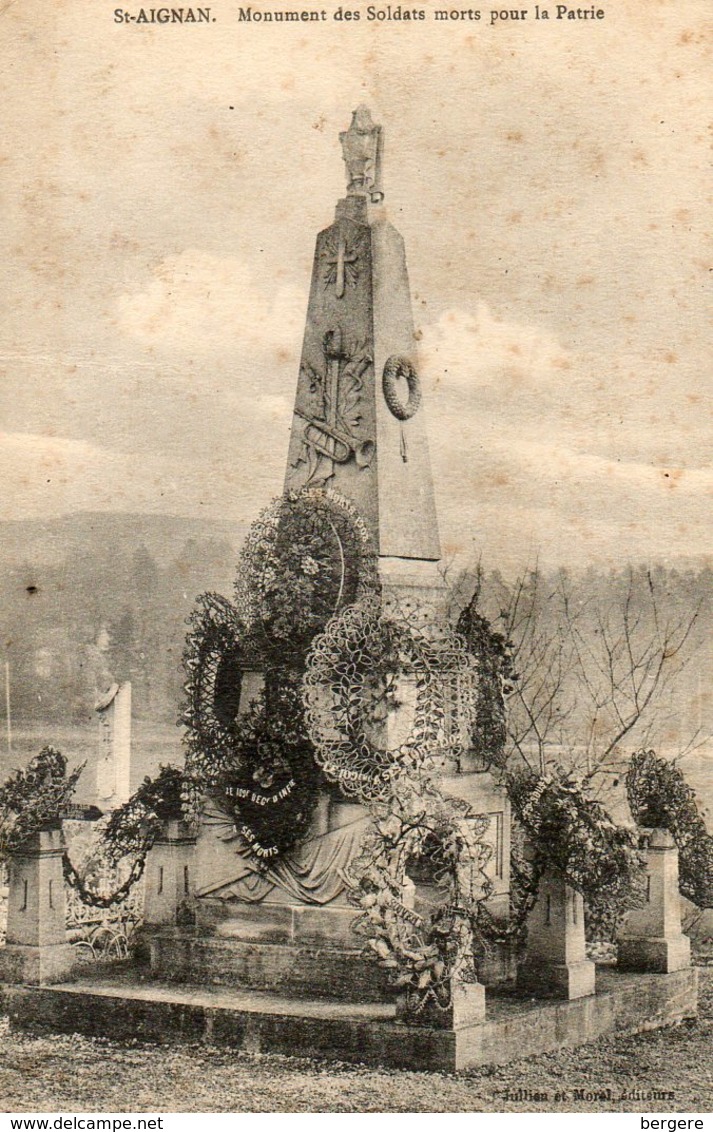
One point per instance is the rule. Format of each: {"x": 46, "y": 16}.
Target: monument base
{"x": 271, "y": 922}
{"x": 298, "y": 968}
{"x": 558, "y": 980}
{"x": 367, "y": 1033}
{"x": 21, "y": 963}
{"x": 655, "y": 955}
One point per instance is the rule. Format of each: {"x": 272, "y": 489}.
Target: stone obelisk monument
{"x": 359, "y": 424}
{"x": 358, "y": 429}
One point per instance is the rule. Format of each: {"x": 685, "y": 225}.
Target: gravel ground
{"x": 75, "y": 1074}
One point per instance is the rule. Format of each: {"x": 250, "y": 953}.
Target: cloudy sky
{"x": 162, "y": 188}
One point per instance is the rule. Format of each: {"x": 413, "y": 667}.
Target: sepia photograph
{"x": 356, "y": 720}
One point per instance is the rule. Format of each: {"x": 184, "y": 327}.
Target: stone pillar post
{"x": 556, "y": 964}
{"x": 467, "y": 1008}
{"x": 36, "y": 949}
{"x": 168, "y": 893}
{"x": 651, "y": 938}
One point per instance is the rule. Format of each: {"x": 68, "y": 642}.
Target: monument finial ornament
{"x": 362, "y": 149}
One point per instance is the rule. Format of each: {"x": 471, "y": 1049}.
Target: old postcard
{"x": 355, "y": 561}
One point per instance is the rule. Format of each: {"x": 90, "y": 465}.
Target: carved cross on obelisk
{"x": 339, "y": 262}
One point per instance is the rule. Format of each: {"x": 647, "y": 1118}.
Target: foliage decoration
{"x": 307, "y": 556}
{"x": 35, "y": 798}
{"x": 129, "y": 833}
{"x": 135, "y": 826}
{"x": 367, "y": 666}
{"x": 419, "y": 832}
{"x": 214, "y": 679}
{"x": 493, "y": 653}
{"x": 660, "y": 798}
{"x": 572, "y": 833}
{"x": 269, "y": 783}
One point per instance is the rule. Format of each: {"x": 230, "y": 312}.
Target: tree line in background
{"x": 91, "y": 619}
{"x": 603, "y": 660}
{"x": 594, "y": 665}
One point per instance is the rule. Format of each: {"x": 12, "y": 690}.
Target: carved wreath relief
{"x": 396, "y": 370}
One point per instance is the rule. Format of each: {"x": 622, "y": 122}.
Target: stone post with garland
{"x": 555, "y": 963}
{"x": 169, "y": 877}
{"x": 36, "y": 948}
{"x": 651, "y": 938}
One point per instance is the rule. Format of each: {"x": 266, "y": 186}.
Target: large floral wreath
{"x": 269, "y": 783}
{"x": 307, "y": 556}
{"x": 371, "y": 673}
{"x": 423, "y": 943}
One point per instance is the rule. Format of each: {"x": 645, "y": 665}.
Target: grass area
{"x": 75, "y": 1074}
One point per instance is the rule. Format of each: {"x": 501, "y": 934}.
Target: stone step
{"x": 290, "y": 969}
{"x": 260, "y": 1022}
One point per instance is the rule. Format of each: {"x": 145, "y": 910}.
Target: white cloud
{"x": 534, "y": 452}
{"x": 464, "y": 351}
{"x": 198, "y": 303}
{"x": 49, "y": 475}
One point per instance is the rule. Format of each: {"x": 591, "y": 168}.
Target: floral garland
{"x": 574, "y": 834}
{"x": 134, "y": 826}
{"x": 495, "y": 667}
{"x": 35, "y": 798}
{"x": 419, "y": 830}
{"x": 130, "y": 832}
{"x": 660, "y": 798}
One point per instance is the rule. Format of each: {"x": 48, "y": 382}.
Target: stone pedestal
{"x": 652, "y": 939}
{"x": 168, "y": 896}
{"x": 556, "y": 964}
{"x": 467, "y": 1008}
{"x": 36, "y": 949}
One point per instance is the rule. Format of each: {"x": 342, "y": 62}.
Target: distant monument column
{"x": 359, "y": 425}
{"x": 114, "y": 764}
